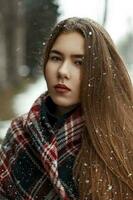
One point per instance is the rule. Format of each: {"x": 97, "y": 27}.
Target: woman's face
{"x": 63, "y": 71}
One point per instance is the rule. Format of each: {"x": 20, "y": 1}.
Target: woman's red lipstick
{"x": 61, "y": 88}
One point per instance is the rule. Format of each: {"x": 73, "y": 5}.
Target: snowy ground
{"x": 3, "y": 128}
{"x": 23, "y": 101}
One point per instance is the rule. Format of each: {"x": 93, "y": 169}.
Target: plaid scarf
{"x": 36, "y": 159}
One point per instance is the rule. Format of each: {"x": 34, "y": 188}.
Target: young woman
{"x": 76, "y": 142}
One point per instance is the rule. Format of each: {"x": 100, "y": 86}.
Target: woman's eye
{"x": 54, "y": 58}
{"x": 79, "y": 62}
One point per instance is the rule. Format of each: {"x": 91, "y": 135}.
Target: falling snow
{"x": 109, "y": 187}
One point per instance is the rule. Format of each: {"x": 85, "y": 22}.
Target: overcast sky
{"x": 120, "y": 13}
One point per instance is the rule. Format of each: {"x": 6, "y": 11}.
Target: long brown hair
{"x": 104, "y": 167}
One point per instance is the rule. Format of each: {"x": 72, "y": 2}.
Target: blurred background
{"x": 24, "y": 28}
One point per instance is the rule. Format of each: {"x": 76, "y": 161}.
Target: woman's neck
{"x": 59, "y": 111}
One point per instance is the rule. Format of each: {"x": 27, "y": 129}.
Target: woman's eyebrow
{"x": 56, "y": 52}
{"x": 78, "y": 56}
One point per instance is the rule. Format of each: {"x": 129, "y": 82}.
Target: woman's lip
{"x": 61, "y": 90}
{"x": 61, "y": 87}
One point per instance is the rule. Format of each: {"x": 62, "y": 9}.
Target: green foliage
{"x": 41, "y": 15}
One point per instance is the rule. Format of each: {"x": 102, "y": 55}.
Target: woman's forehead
{"x": 72, "y": 41}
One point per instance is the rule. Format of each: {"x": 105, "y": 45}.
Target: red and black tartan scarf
{"x": 36, "y": 159}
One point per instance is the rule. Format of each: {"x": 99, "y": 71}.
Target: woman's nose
{"x": 64, "y": 70}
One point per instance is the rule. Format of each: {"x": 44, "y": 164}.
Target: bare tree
{"x": 11, "y": 31}
{"x": 105, "y": 12}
